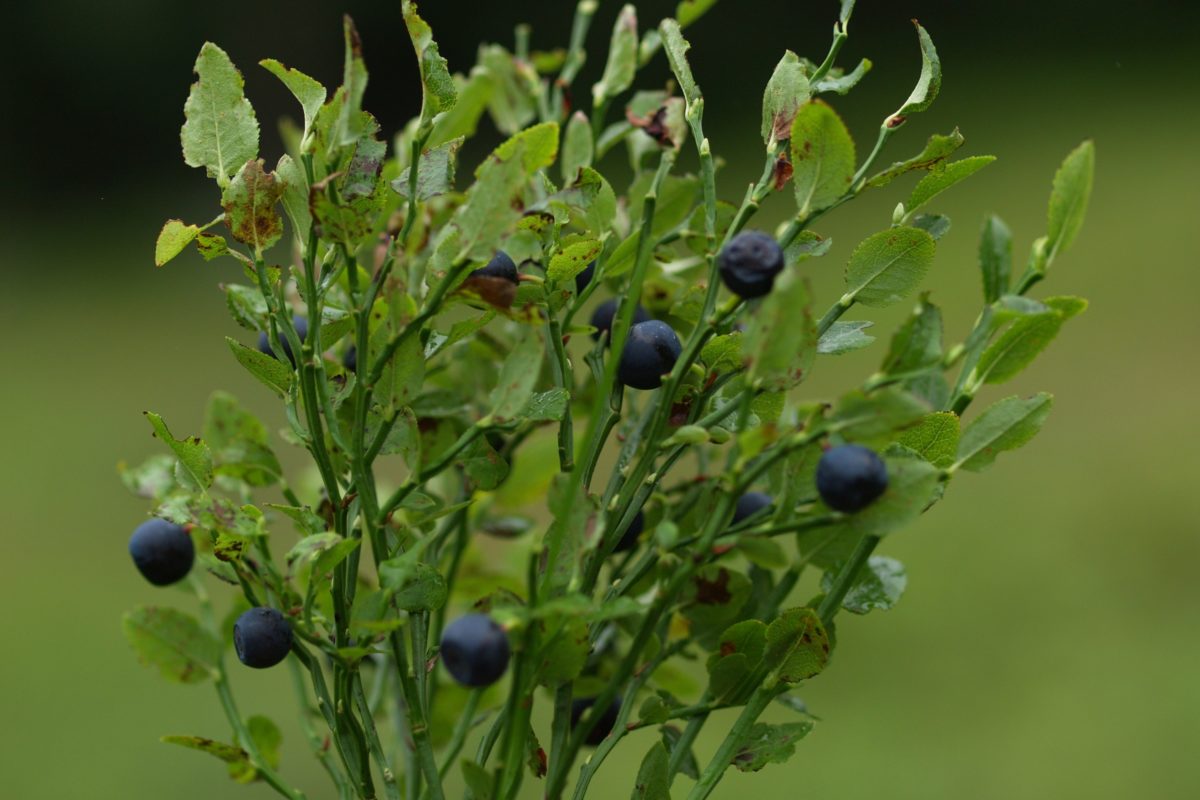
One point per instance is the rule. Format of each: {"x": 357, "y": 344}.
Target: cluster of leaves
{"x": 460, "y": 393}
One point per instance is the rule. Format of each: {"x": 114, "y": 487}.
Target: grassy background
{"x": 1047, "y": 646}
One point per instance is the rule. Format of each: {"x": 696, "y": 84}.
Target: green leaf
{"x": 929, "y": 83}
{"x": 221, "y": 132}
{"x": 822, "y": 157}
{"x": 267, "y": 741}
{"x": 308, "y": 91}
{"x": 511, "y": 102}
{"x": 1005, "y": 425}
{"x": 578, "y": 148}
{"x": 173, "y": 642}
{"x": 572, "y": 259}
{"x": 723, "y": 353}
{"x": 781, "y": 341}
{"x": 194, "y": 457}
{"x": 842, "y": 337}
{"x": 917, "y": 344}
{"x": 936, "y": 225}
{"x": 275, "y": 374}
{"x": 463, "y": 119}
{"x": 295, "y": 197}
{"x": 797, "y": 645}
{"x": 653, "y": 781}
{"x": 676, "y": 48}
{"x": 478, "y": 781}
{"x": 738, "y": 653}
{"x": 878, "y": 586}
{"x": 424, "y": 590}
{"x": 538, "y": 147}
{"x": 488, "y": 212}
{"x": 546, "y": 406}
{"x": 670, "y": 739}
{"x": 938, "y": 148}
{"x": 350, "y": 123}
{"x": 935, "y": 439}
{"x": 888, "y": 265}
{"x": 622, "y": 57}
{"x": 518, "y": 376}
{"x": 876, "y": 416}
{"x": 995, "y": 258}
{"x": 247, "y": 306}
{"x": 688, "y": 11}
{"x": 439, "y": 93}
{"x": 713, "y": 599}
{"x": 1018, "y": 346}
{"x": 565, "y": 649}
{"x": 483, "y": 466}
{"x": 153, "y": 479}
{"x": 402, "y": 377}
{"x": 237, "y": 758}
{"x": 843, "y": 83}
{"x": 435, "y": 171}
{"x": 769, "y": 744}
{"x": 239, "y": 442}
{"x": 172, "y": 239}
{"x": 1069, "y": 198}
{"x": 249, "y": 203}
{"x": 787, "y": 90}
{"x": 943, "y": 178}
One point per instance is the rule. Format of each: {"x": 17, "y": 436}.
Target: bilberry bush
{"x": 648, "y": 545}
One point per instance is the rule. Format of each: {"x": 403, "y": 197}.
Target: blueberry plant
{"x": 525, "y": 540}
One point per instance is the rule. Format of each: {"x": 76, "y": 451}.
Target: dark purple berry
{"x": 603, "y": 726}
{"x": 650, "y": 352}
{"x": 501, "y": 266}
{"x": 629, "y": 539}
{"x": 750, "y": 504}
{"x": 162, "y": 551}
{"x": 475, "y": 650}
{"x": 262, "y": 637}
{"x": 264, "y": 341}
{"x": 851, "y": 477}
{"x": 602, "y": 317}
{"x": 749, "y": 263}
{"x": 582, "y": 279}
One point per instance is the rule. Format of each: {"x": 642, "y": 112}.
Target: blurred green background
{"x": 1047, "y": 646}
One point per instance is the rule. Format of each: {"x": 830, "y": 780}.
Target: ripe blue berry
{"x": 629, "y": 539}
{"x": 650, "y": 352}
{"x": 350, "y": 360}
{"x": 582, "y": 279}
{"x": 749, "y": 263}
{"x": 162, "y": 551}
{"x": 750, "y": 504}
{"x": 602, "y": 317}
{"x": 603, "y": 726}
{"x": 850, "y": 477}
{"x": 501, "y": 266}
{"x": 264, "y": 341}
{"x": 262, "y": 637}
{"x": 475, "y": 650}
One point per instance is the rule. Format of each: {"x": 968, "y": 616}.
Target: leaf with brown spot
{"x": 173, "y": 642}
{"x": 769, "y": 744}
{"x": 250, "y": 202}
{"x": 797, "y": 645}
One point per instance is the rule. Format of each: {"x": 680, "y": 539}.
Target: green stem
{"x": 845, "y": 578}
{"x": 466, "y": 720}
{"x": 241, "y": 732}
{"x": 364, "y": 712}
{"x": 320, "y": 748}
{"x": 721, "y": 760}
